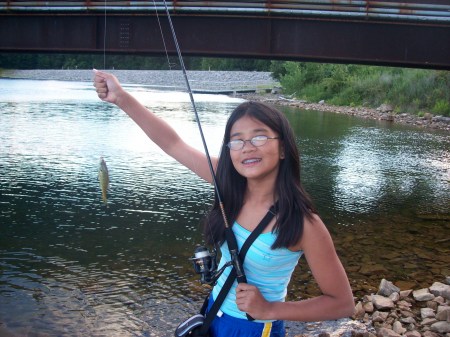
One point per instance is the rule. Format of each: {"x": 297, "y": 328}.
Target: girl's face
{"x": 255, "y": 162}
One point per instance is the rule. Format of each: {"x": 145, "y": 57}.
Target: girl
{"x": 258, "y": 167}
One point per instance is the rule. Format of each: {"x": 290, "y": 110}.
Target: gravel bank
{"x": 214, "y": 81}
{"x": 382, "y": 113}
{"x": 235, "y": 83}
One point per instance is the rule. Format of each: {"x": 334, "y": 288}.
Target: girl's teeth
{"x": 250, "y": 161}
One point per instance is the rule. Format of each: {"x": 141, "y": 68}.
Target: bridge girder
{"x": 405, "y": 44}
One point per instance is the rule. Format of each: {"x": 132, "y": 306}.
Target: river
{"x": 70, "y": 266}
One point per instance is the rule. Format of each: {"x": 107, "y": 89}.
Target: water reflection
{"x": 70, "y": 266}
{"x": 389, "y": 170}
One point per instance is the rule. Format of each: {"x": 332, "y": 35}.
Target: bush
{"x": 408, "y": 90}
{"x": 441, "y": 108}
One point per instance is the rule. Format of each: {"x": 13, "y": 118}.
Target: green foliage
{"x": 441, "y": 107}
{"x": 86, "y": 61}
{"x": 408, "y": 90}
{"x": 277, "y": 69}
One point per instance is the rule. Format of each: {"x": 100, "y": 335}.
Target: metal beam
{"x": 321, "y": 39}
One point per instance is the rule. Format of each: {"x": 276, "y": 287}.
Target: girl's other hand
{"x": 250, "y": 300}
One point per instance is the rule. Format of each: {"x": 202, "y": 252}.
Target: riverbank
{"x": 258, "y": 86}
{"x": 382, "y": 113}
{"x": 390, "y": 312}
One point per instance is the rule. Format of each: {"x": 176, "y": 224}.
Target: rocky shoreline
{"x": 382, "y": 113}
{"x": 390, "y": 312}
{"x": 410, "y": 313}
{"x": 243, "y": 84}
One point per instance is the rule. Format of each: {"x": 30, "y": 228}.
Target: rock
{"x": 403, "y": 304}
{"x": 369, "y": 334}
{"x": 398, "y": 328}
{"x": 412, "y": 333}
{"x": 432, "y": 305}
{"x": 427, "y": 313}
{"x": 322, "y": 102}
{"x": 427, "y": 116}
{"x": 359, "y": 311}
{"x": 386, "y": 288}
{"x": 422, "y": 295}
{"x": 443, "y": 314}
{"x": 379, "y": 316}
{"x": 407, "y": 313}
{"x": 440, "y": 289}
{"x": 384, "y": 332}
{"x": 429, "y": 321}
{"x": 368, "y": 307}
{"x": 372, "y": 269}
{"x": 367, "y": 298}
{"x": 405, "y": 293}
{"x": 441, "y": 327}
{"x": 276, "y": 90}
{"x": 324, "y": 334}
{"x": 382, "y": 303}
{"x": 430, "y": 334}
{"x": 439, "y": 299}
{"x": 387, "y": 117}
{"x": 408, "y": 320}
{"x": 441, "y": 119}
{"x": 385, "y": 108}
{"x": 394, "y": 297}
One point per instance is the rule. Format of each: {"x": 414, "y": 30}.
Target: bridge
{"x": 393, "y": 33}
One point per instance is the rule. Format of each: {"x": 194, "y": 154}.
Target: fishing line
{"x": 104, "y": 37}
{"x": 162, "y": 35}
{"x": 194, "y": 107}
{"x": 229, "y": 235}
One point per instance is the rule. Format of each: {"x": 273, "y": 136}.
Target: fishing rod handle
{"x": 240, "y": 276}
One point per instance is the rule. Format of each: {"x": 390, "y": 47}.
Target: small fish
{"x": 103, "y": 178}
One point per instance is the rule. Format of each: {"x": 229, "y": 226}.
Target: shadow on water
{"x": 71, "y": 266}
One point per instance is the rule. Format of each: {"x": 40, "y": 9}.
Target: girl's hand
{"x": 107, "y": 86}
{"x": 250, "y": 300}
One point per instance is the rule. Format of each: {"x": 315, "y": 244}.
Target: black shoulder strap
{"x": 231, "y": 277}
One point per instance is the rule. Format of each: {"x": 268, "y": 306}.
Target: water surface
{"x": 71, "y": 266}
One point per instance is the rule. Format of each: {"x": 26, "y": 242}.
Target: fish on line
{"x": 103, "y": 177}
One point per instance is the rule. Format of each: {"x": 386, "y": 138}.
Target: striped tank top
{"x": 268, "y": 269}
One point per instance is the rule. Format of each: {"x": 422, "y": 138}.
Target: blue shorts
{"x": 229, "y": 326}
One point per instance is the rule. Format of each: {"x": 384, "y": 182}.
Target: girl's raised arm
{"x": 160, "y": 132}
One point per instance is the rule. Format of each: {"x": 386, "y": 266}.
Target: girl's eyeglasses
{"x": 238, "y": 144}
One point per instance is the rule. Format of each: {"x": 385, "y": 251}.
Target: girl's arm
{"x": 336, "y": 300}
{"x": 161, "y": 133}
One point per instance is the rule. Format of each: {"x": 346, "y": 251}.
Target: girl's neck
{"x": 258, "y": 193}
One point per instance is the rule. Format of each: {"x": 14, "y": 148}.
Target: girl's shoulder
{"x": 314, "y": 232}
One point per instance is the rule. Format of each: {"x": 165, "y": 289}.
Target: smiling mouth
{"x": 251, "y": 161}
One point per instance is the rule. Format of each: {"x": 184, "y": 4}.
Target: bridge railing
{"x": 437, "y": 11}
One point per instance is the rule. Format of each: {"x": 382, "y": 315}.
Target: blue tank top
{"x": 268, "y": 269}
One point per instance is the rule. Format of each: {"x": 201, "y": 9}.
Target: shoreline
{"x": 383, "y": 113}
{"x": 239, "y": 84}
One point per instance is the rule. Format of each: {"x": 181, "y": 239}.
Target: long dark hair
{"x": 293, "y": 202}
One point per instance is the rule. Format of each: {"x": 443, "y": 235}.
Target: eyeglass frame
{"x": 250, "y": 141}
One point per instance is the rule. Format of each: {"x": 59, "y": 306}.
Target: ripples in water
{"x": 70, "y": 266}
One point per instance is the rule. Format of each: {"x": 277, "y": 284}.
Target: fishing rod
{"x": 229, "y": 235}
